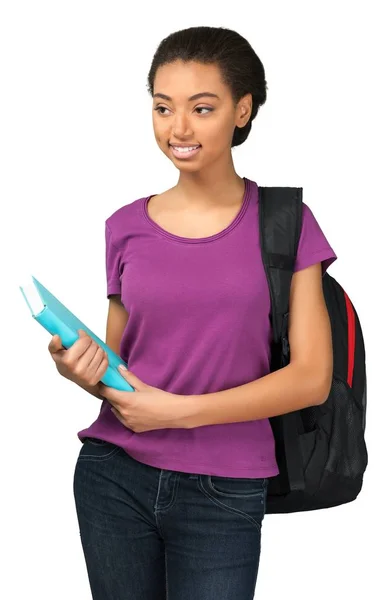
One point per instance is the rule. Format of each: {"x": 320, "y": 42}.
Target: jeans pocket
{"x": 97, "y": 442}
{"x": 238, "y": 497}
{"x": 97, "y": 450}
{"x": 235, "y": 487}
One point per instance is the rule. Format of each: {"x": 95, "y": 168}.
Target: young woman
{"x": 171, "y": 485}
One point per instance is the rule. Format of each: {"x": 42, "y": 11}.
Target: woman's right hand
{"x": 84, "y": 363}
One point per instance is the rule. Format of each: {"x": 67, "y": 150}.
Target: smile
{"x": 186, "y": 152}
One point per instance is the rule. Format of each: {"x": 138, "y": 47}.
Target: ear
{"x": 243, "y": 110}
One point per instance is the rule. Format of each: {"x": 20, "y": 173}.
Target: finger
{"x": 56, "y": 349}
{"x": 79, "y": 347}
{"x": 134, "y": 381}
{"x": 92, "y": 365}
{"x": 107, "y": 392}
{"x": 93, "y": 357}
{"x": 83, "y": 360}
{"x": 55, "y": 344}
{"x": 113, "y": 396}
{"x": 102, "y": 370}
{"x": 104, "y": 390}
{"x": 100, "y": 362}
{"x": 118, "y": 415}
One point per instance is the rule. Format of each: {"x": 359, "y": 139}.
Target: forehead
{"x": 182, "y": 79}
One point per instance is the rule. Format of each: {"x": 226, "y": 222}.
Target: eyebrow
{"x": 194, "y": 97}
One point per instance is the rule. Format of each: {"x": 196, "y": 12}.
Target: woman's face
{"x": 206, "y": 121}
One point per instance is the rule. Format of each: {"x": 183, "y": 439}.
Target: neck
{"x": 218, "y": 185}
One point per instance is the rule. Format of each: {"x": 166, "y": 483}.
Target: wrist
{"x": 94, "y": 390}
{"x": 188, "y": 412}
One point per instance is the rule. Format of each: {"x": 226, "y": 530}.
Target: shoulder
{"x": 124, "y": 222}
{"x": 310, "y": 224}
{"x": 313, "y": 244}
{"x": 307, "y": 213}
{"x": 124, "y": 212}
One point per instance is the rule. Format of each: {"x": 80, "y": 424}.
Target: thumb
{"x": 131, "y": 378}
{"x": 55, "y": 344}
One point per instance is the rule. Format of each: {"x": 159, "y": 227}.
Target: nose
{"x": 181, "y": 126}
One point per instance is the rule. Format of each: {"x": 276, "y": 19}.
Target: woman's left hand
{"x": 147, "y": 408}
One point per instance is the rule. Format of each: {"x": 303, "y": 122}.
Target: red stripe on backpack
{"x": 351, "y": 339}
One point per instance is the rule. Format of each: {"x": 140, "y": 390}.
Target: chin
{"x": 187, "y": 167}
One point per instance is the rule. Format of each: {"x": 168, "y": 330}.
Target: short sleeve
{"x": 113, "y": 259}
{"x": 313, "y": 246}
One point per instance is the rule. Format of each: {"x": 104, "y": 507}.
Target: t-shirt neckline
{"x": 210, "y": 238}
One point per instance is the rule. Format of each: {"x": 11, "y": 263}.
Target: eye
{"x": 158, "y": 108}
{"x": 204, "y": 108}
{"x": 161, "y": 108}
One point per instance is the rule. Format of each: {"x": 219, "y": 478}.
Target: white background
{"x": 77, "y": 143}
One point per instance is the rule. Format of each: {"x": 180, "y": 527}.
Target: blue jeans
{"x": 154, "y": 534}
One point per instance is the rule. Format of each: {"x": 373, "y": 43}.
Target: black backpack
{"x": 320, "y": 450}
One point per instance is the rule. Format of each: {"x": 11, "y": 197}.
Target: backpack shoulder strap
{"x": 280, "y": 221}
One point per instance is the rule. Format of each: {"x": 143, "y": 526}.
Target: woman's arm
{"x": 306, "y": 381}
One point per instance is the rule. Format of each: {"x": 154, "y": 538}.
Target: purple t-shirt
{"x": 198, "y": 323}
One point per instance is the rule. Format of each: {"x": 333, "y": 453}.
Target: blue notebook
{"x": 58, "y": 320}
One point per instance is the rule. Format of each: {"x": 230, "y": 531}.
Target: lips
{"x": 185, "y": 145}
{"x": 184, "y": 154}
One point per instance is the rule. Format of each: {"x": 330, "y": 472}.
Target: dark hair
{"x": 241, "y": 68}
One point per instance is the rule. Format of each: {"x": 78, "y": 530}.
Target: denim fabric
{"x": 155, "y": 534}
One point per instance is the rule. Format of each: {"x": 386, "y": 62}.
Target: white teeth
{"x": 185, "y": 149}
